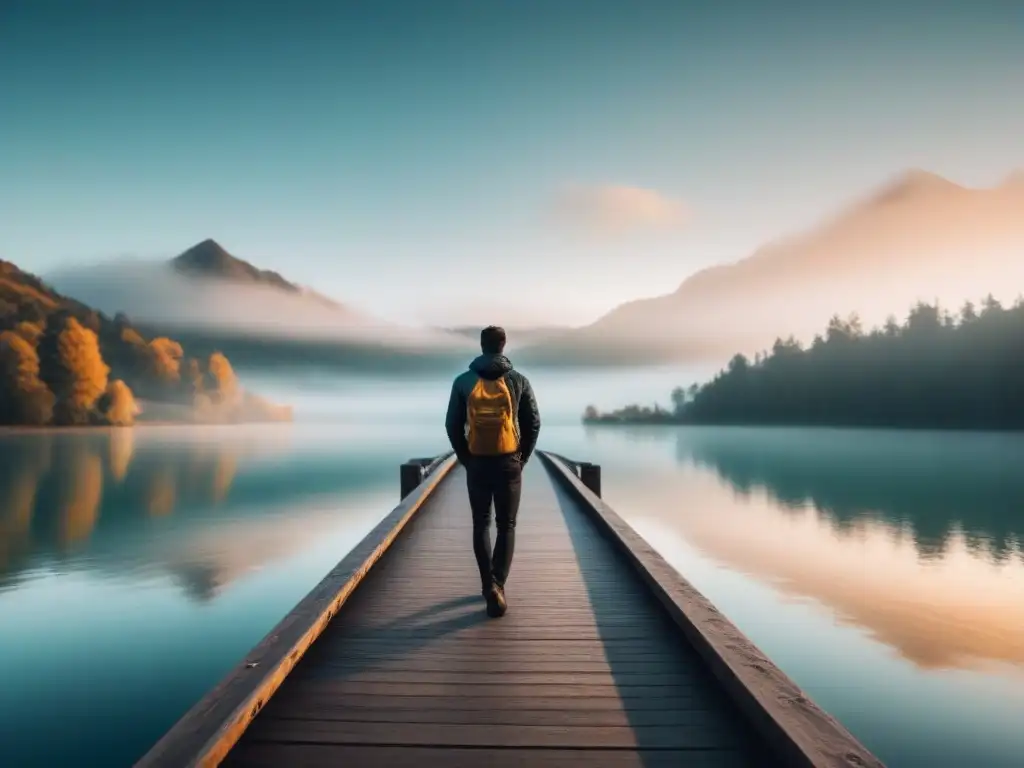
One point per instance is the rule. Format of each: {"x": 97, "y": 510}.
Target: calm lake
{"x": 883, "y": 571}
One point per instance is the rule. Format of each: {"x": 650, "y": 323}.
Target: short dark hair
{"x": 492, "y": 340}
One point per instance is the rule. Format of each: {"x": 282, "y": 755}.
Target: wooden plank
{"x": 273, "y": 755}
{"x": 510, "y": 736}
{"x": 206, "y": 733}
{"x": 525, "y": 657}
{"x": 344, "y": 688}
{"x": 567, "y": 610}
{"x": 500, "y": 715}
{"x": 288, "y": 702}
{"x": 540, "y": 680}
{"x": 511, "y": 631}
{"x": 550, "y": 649}
{"x": 799, "y": 731}
{"x": 527, "y": 665}
{"x": 568, "y": 623}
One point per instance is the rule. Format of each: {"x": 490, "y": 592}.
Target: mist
{"x": 153, "y": 292}
{"x": 920, "y": 238}
{"x": 255, "y": 325}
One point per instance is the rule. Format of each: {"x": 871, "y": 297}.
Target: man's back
{"x": 493, "y": 424}
{"x": 470, "y": 387}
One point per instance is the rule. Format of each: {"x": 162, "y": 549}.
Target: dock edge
{"x": 802, "y": 734}
{"x": 206, "y": 733}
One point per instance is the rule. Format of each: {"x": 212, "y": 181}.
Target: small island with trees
{"x": 937, "y": 370}
{"x": 64, "y": 364}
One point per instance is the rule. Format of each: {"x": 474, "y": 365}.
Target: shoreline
{"x": 800, "y": 425}
{"x": 9, "y": 429}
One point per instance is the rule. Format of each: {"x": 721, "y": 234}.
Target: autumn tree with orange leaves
{"x": 166, "y": 360}
{"x": 117, "y": 405}
{"x": 24, "y": 397}
{"x": 73, "y": 368}
{"x": 223, "y": 384}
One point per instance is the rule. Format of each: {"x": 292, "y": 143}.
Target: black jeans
{"x": 497, "y": 479}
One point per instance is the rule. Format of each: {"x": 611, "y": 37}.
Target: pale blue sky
{"x": 403, "y": 156}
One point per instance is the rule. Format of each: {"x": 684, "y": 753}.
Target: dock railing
{"x": 208, "y": 731}
{"x": 798, "y": 731}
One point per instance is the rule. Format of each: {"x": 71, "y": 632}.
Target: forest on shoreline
{"x": 64, "y": 364}
{"x": 936, "y": 370}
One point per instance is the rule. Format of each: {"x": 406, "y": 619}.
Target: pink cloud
{"x": 617, "y": 209}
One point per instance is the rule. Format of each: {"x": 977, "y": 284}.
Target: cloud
{"x": 615, "y": 209}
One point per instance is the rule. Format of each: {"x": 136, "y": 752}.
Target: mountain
{"x": 917, "y": 237}
{"x": 205, "y": 286}
{"x": 211, "y": 300}
{"x": 208, "y": 259}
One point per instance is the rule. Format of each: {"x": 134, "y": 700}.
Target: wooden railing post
{"x": 414, "y": 471}
{"x": 410, "y": 475}
{"x": 590, "y": 476}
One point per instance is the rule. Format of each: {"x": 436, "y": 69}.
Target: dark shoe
{"x": 502, "y": 603}
{"x": 495, "y": 601}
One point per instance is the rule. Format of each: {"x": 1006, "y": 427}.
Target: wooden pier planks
{"x": 585, "y": 669}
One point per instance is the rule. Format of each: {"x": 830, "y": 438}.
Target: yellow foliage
{"x": 31, "y": 332}
{"x": 27, "y": 291}
{"x": 223, "y": 375}
{"x": 20, "y": 360}
{"x": 167, "y": 355}
{"x": 24, "y": 398}
{"x": 119, "y": 407}
{"x": 131, "y": 336}
{"x": 78, "y": 353}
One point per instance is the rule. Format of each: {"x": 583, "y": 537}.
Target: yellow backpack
{"x": 489, "y": 416}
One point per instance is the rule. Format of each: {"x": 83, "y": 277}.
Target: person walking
{"x": 493, "y": 424}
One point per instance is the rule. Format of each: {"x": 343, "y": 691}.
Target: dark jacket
{"x": 525, "y": 416}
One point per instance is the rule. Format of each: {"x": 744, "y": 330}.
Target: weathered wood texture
{"x": 206, "y": 733}
{"x": 585, "y": 669}
{"x": 415, "y": 471}
{"x": 798, "y": 731}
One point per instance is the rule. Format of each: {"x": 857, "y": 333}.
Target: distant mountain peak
{"x": 912, "y": 183}
{"x": 921, "y": 177}
{"x": 210, "y": 259}
{"x": 207, "y": 253}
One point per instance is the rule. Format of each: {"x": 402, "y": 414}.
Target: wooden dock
{"x": 606, "y": 656}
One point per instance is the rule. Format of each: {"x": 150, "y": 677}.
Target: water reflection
{"x": 78, "y": 483}
{"x": 915, "y": 538}
{"x": 937, "y": 485}
{"x": 88, "y": 500}
{"x": 122, "y": 447}
{"x": 20, "y": 473}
